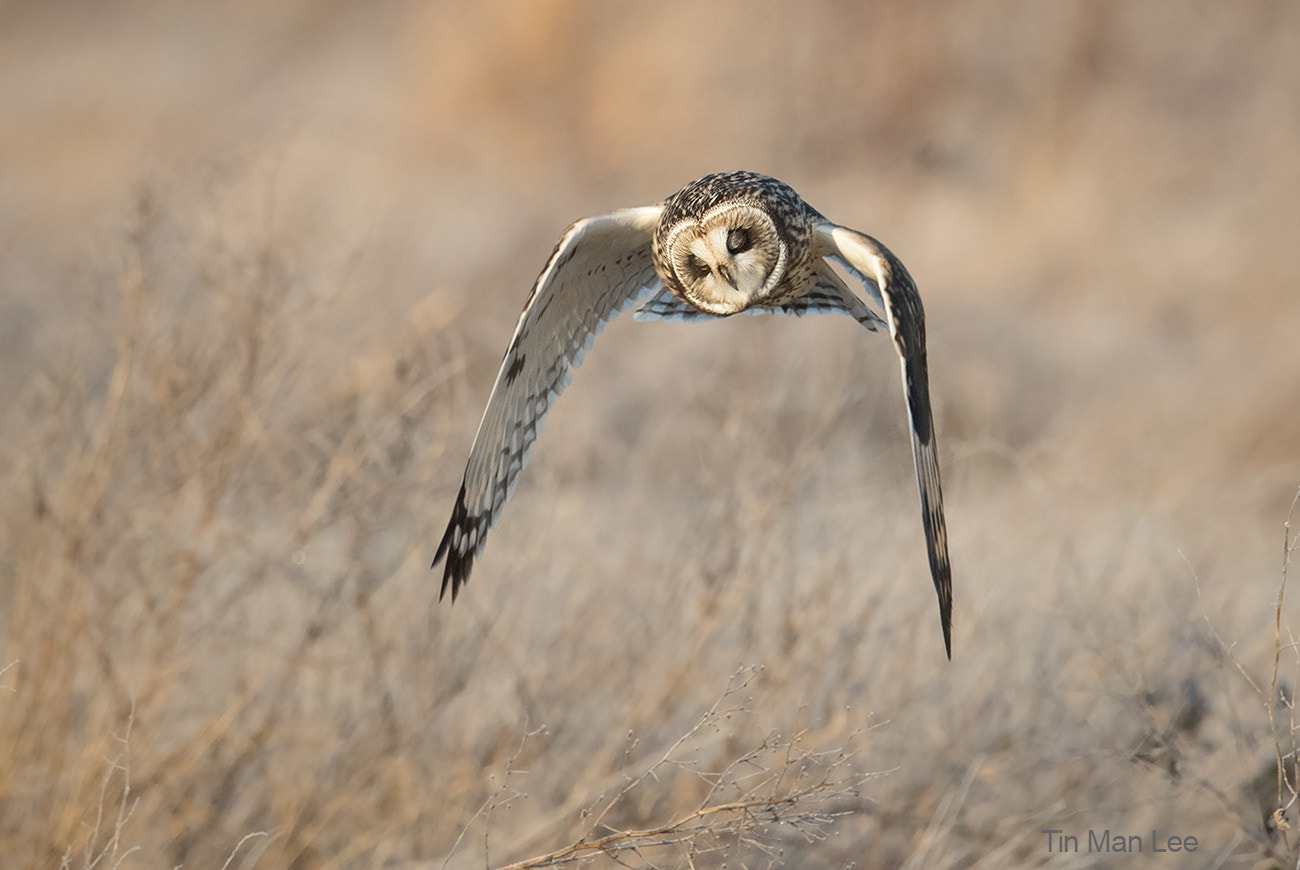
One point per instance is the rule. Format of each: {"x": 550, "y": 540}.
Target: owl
{"x": 729, "y": 243}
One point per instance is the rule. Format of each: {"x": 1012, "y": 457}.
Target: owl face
{"x": 728, "y": 259}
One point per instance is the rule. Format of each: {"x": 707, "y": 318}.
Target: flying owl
{"x": 725, "y": 244}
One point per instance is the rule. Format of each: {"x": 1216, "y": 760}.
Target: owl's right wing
{"x": 600, "y": 267}
{"x": 888, "y": 281}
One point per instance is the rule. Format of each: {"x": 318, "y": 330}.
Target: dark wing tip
{"x": 460, "y": 543}
{"x": 943, "y": 583}
{"x": 936, "y": 535}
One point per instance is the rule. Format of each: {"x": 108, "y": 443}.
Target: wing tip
{"x": 460, "y": 559}
{"x": 941, "y": 570}
{"x": 945, "y": 618}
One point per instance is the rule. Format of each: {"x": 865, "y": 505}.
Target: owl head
{"x": 727, "y": 259}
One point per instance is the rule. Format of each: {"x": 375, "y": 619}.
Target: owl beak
{"x": 725, "y": 272}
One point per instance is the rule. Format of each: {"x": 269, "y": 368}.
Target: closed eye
{"x": 699, "y": 266}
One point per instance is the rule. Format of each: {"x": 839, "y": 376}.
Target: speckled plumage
{"x": 724, "y": 244}
{"x": 794, "y": 220}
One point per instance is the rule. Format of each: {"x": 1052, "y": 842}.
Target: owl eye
{"x": 737, "y": 241}
{"x": 699, "y": 266}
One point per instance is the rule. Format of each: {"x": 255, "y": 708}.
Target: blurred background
{"x": 259, "y": 263}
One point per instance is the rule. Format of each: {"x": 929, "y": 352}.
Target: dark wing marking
{"x": 599, "y": 268}
{"x": 890, "y": 283}
{"x": 665, "y": 305}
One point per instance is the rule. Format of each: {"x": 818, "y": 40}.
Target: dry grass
{"x": 253, "y": 290}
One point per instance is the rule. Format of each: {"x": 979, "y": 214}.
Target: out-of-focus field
{"x": 258, "y": 264}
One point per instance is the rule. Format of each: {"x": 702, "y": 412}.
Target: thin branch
{"x": 673, "y": 832}
{"x": 4, "y": 671}
{"x": 1284, "y": 784}
{"x": 745, "y": 675}
{"x": 494, "y": 800}
{"x": 235, "y": 851}
{"x": 772, "y": 784}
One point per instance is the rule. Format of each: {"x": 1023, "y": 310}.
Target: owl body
{"x": 725, "y": 244}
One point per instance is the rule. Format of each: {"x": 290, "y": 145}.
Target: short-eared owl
{"x": 722, "y": 245}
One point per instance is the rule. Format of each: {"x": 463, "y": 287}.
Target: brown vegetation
{"x": 258, "y": 265}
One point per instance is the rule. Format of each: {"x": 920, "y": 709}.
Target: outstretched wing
{"x": 889, "y": 282}
{"x": 600, "y": 267}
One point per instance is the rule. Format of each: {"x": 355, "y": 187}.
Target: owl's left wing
{"x": 888, "y": 281}
{"x": 599, "y": 268}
